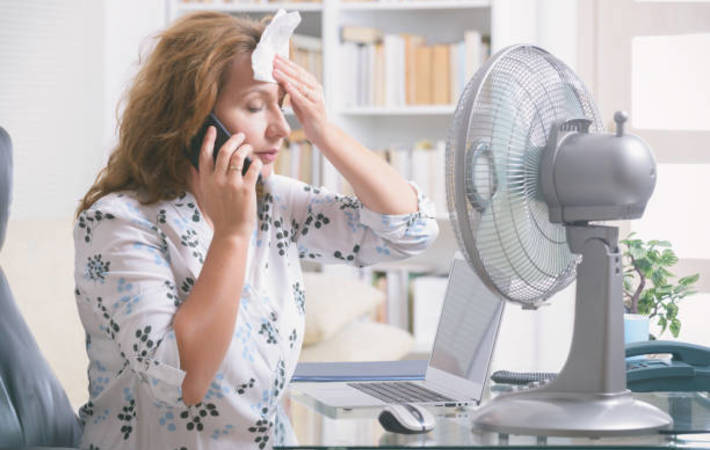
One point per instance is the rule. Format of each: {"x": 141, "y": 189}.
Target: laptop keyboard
{"x": 399, "y": 392}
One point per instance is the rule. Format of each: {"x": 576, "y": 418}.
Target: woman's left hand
{"x": 306, "y": 97}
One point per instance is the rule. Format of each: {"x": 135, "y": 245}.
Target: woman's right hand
{"x": 227, "y": 198}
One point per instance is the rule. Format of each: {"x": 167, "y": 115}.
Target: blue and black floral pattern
{"x": 136, "y": 265}
{"x": 96, "y": 268}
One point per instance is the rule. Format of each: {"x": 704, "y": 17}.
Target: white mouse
{"x": 406, "y": 418}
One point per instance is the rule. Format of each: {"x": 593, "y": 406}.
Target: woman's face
{"x": 253, "y": 108}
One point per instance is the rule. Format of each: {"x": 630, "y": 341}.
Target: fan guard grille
{"x": 500, "y": 128}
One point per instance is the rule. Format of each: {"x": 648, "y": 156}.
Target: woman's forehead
{"x": 241, "y": 80}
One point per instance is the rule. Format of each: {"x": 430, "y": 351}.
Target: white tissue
{"x": 274, "y": 40}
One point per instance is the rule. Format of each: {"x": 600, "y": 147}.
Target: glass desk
{"x": 319, "y": 426}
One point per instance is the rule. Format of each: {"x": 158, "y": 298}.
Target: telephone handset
{"x": 687, "y": 370}
{"x": 193, "y": 152}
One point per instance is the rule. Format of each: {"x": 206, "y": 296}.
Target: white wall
{"x": 130, "y": 26}
{"x": 550, "y": 24}
{"x": 51, "y": 100}
{"x": 63, "y": 66}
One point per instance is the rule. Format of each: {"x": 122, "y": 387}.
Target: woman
{"x": 188, "y": 285}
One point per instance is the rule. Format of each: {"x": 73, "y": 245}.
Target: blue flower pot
{"x": 635, "y": 330}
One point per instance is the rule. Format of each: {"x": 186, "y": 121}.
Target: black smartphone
{"x": 193, "y": 153}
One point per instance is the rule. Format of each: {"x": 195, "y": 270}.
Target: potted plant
{"x": 648, "y": 288}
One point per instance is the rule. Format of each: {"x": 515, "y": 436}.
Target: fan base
{"x": 569, "y": 414}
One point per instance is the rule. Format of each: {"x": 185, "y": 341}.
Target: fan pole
{"x": 589, "y": 396}
{"x": 596, "y": 360}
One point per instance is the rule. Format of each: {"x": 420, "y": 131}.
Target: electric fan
{"x": 527, "y": 169}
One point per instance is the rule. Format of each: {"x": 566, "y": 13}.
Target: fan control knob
{"x": 620, "y": 118}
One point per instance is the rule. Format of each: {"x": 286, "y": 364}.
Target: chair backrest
{"x": 34, "y": 409}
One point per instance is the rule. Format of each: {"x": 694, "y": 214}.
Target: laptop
{"x": 458, "y": 367}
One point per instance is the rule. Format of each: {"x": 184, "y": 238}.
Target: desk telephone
{"x": 687, "y": 370}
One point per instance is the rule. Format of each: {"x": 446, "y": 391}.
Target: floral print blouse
{"x": 135, "y": 264}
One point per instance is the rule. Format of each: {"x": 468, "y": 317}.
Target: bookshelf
{"x": 180, "y": 7}
{"x": 413, "y": 5}
{"x": 409, "y": 110}
{"x": 380, "y": 127}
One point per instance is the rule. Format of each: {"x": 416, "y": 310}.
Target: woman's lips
{"x": 267, "y": 157}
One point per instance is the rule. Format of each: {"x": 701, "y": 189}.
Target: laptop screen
{"x": 468, "y": 325}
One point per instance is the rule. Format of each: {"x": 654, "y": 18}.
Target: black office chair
{"x": 34, "y": 409}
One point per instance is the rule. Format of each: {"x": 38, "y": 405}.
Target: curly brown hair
{"x": 172, "y": 93}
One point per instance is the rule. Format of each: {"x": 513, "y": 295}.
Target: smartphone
{"x": 193, "y": 152}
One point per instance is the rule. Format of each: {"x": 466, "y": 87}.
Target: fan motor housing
{"x": 596, "y": 176}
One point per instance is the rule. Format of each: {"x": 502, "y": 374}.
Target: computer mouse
{"x": 406, "y": 418}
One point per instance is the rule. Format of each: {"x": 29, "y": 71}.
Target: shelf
{"x": 413, "y": 5}
{"x": 399, "y": 110}
{"x": 398, "y": 5}
{"x": 251, "y": 7}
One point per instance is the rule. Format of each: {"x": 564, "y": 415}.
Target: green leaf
{"x": 675, "y": 327}
{"x": 658, "y": 278}
{"x": 690, "y": 279}
{"x": 664, "y": 291}
{"x": 663, "y": 323}
{"x": 643, "y": 307}
{"x": 655, "y": 243}
{"x": 672, "y": 310}
{"x": 668, "y": 257}
{"x": 645, "y": 267}
{"x": 679, "y": 289}
{"x": 666, "y": 273}
{"x": 637, "y": 252}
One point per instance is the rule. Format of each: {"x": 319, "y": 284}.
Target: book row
{"x": 394, "y": 70}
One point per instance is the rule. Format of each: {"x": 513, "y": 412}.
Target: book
{"x": 348, "y": 58}
{"x": 455, "y": 71}
{"x": 379, "y": 75}
{"x": 399, "y": 158}
{"x": 305, "y": 168}
{"x": 394, "y": 70}
{"x": 360, "y": 35}
{"x": 423, "y": 75}
{"x": 305, "y": 42}
{"x": 437, "y": 179}
{"x": 411, "y": 42}
{"x": 307, "y": 52}
{"x": 371, "y": 74}
{"x": 360, "y": 75}
{"x": 440, "y": 78}
{"x": 421, "y": 166}
{"x": 472, "y": 42}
